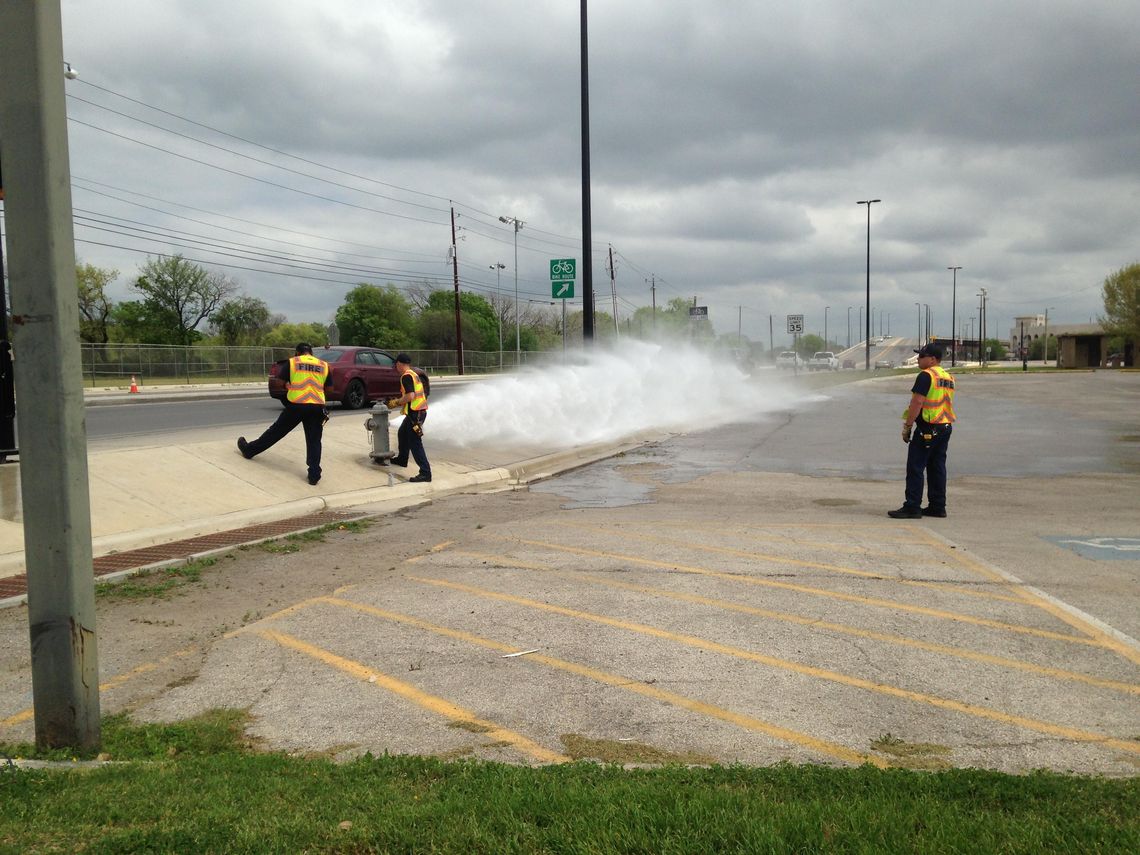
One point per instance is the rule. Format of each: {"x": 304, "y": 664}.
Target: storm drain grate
{"x": 17, "y": 586}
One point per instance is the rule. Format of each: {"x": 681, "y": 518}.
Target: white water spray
{"x": 605, "y": 395}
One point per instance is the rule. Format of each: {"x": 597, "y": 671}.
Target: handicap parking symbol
{"x": 1100, "y": 548}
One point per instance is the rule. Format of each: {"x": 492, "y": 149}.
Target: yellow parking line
{"x": 112, "y": 683}
{"x": 747, "y": 722}
{"x": 798, "y": 668}
{"x": 1102, "y": 638}
{"x": 813, "y": 623}
{"x": 819, "y": 592}
{"x": 796, "y": 562}
{"x": 434, "y": 704}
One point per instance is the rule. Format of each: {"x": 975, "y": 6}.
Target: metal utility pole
{"x": 868, "y": 203}
{"x": 587, "y": 231}
{"x": 458, "y": 321}
{"x": 954, "y": 319}
{"x": 613, "y": 291}
{"x": 518, "y": 224}
{"x": 918, "y": 308}
{"x": 771, "y": 339}
{"x": 498, "y": 267}
{"x": 48, "y": 377}
{"x": 825, "y": 308}
{"x": 849, "y": 327}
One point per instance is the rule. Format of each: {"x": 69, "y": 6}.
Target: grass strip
{"x": 201, "y": 786}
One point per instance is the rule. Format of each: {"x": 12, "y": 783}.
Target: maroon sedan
{"x": 359, "y": 375}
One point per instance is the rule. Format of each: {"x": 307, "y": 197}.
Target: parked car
{"x": 823, "y": 360}
{"x": 884, "y": 363}
{"x": 789, "y": 359}
{"x": 359, "y": 375}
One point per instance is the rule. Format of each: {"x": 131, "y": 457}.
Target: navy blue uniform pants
{"x": 409, "y": 441}
{"x": 312, "y": 417}
{"x": 927, "y": 458}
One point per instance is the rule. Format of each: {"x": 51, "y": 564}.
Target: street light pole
{"x": 848, "y": 327}
{"x": 518, "y": 224}
{"x": 868, "y": 203}
{"x": 918, "y": 310}
{"x": 953, "y": 318}
{"x": 499, "y": 267}
{"x": 825, "y": 308}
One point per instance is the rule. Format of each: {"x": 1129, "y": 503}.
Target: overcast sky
{"x": 730, "y": 142}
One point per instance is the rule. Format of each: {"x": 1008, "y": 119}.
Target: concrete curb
{"x": 373, "y": 501}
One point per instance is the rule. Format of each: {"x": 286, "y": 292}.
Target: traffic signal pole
{"x": 48, "y": 376}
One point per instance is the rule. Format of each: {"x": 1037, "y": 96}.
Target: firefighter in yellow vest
{"x": 410, "y": 436}
{"x": 931, "y": 417}
{"x": 306, "y": 379}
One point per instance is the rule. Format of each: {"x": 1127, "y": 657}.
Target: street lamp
{"x": 953, "y": 318}
{"x": 918, "y": 309}
{"x": 825, "y": 308}
{"x": 498, "y": 267}
{"x": 849, "y": 327}
{"x": 888, "y": 324}
{"x": 518, "y": 224}
{"x": 868, "y": 203}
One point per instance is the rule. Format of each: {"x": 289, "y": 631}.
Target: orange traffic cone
{"x": 134, "y": 385}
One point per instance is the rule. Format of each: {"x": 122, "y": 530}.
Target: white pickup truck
{"x": 823, "y": 360}
{"x": 789, "y": 359}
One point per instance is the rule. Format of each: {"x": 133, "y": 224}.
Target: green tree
{"x": 479, "y": 324}
{"x": 374, "y": 316}
{"x": 95, "y": 306}
{"x": 182, "y": 294}
{"x": 243, "y": 320}
{"x": 140, "y": 321}
{"x": 290, "y": 335}
{"x": 809, "y": 345}
{"x": 1121, "y": 293}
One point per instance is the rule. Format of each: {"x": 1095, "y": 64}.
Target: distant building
{"x": 1078, "y": 345}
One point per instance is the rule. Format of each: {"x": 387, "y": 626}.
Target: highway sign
{"x": 697, "y": 313}
{"x": 795, "y": 324}
{"x": 563, "y": 290}
{"x": 563, "y": 269}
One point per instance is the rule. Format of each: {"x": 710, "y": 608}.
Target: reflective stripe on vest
{"x": 419, "y": 402}
{"x": 307, "y": 376}
{"x": 938, "y": 407}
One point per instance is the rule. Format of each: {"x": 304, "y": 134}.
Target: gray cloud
{"x": 730, "y": 142}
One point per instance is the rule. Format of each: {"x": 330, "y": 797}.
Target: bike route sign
{"x": 563, "y": 272}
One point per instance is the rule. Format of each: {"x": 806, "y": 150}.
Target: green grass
{"x": 155, "y": 584}
{"x": 199, "y": 786}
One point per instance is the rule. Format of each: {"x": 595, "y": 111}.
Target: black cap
{"x": 303, "y": 347}
{"x": 404, "y": 358}
{"x": 932, "y": 350}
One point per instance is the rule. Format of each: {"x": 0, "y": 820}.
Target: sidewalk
{"x": 141, "y": 497}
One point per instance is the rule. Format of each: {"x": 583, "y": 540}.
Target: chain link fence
{"x": 115, "y": 364}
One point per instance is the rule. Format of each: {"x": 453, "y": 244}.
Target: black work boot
{"x": 933, "y": 512}
{"x": 906, "y": 512}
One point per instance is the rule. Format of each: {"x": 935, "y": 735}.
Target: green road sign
{"x": 563, "y": 269}
{"x": 564, "y": 290}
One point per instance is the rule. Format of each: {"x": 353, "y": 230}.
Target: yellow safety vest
{"x": 938, "y": 408}
{"x": 307, "y": 376}
{"x": 419, "y": 402}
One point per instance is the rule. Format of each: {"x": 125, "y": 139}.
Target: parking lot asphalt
{"x": 727, "y": 613}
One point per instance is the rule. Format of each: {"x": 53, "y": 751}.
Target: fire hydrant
{"x": 377, "y": 427}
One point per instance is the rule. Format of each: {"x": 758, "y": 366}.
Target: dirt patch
{"x": 627, "y": 751}
{"x": 912, "y": 755}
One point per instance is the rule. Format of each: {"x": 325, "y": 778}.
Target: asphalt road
{"x": 145, "y": 422}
